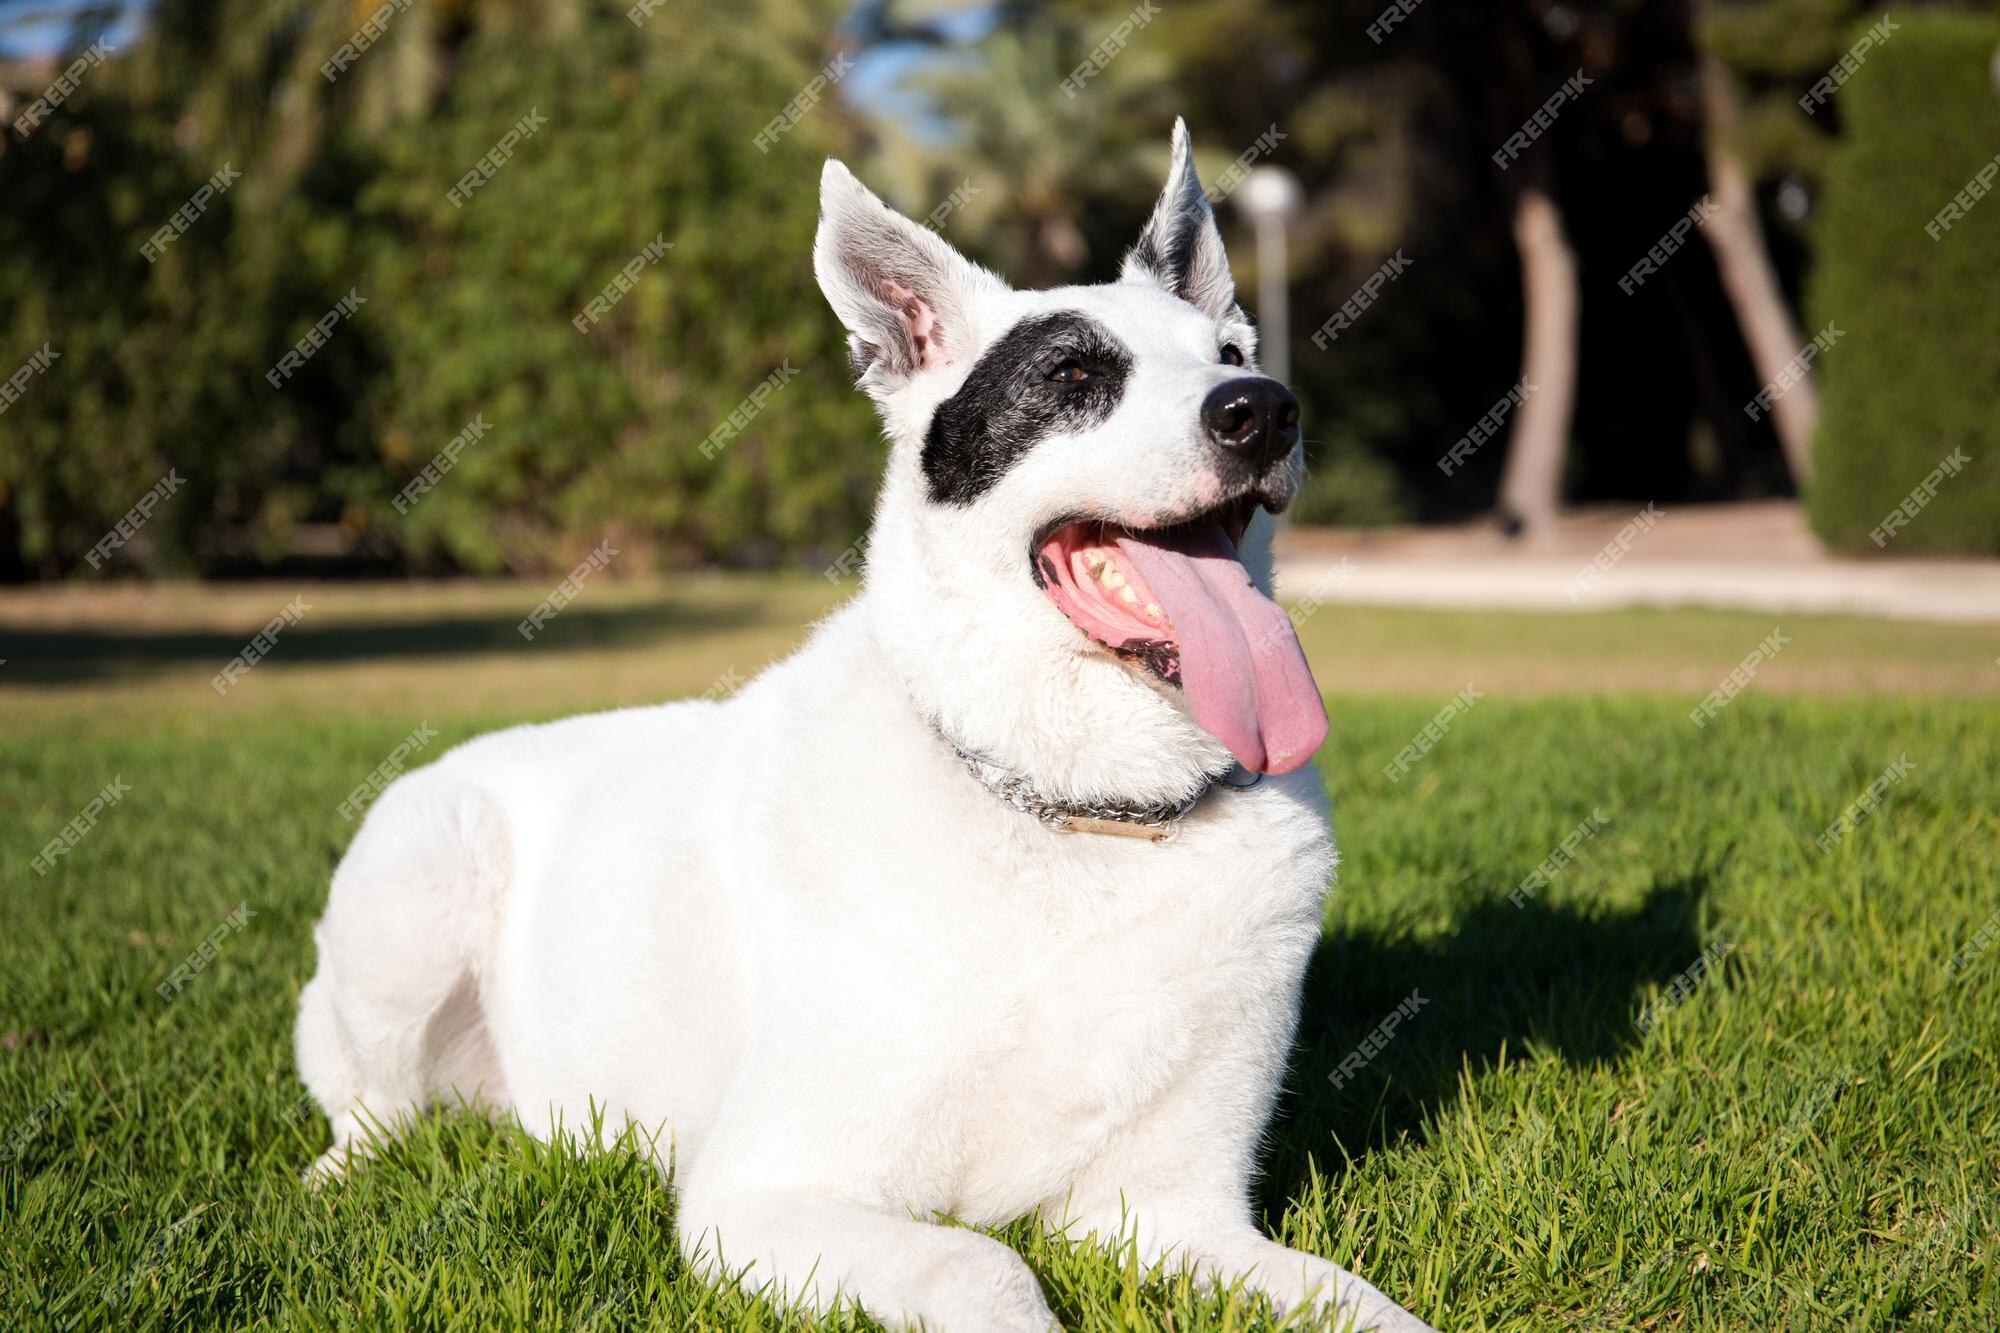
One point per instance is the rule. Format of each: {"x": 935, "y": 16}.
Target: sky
{"x": 31, "y": 29}
{"x": 875, "y": 82}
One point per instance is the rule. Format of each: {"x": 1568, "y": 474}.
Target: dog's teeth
{"x": 1153, "y": 611}
{"x": 1112, "y": 578}
{"x": 1129, "y": 596}
{"x": 1094, "y": 560}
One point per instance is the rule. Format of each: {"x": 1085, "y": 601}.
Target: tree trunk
{"x": 1766, "y": 322}
{"x": 1531, "y": 482}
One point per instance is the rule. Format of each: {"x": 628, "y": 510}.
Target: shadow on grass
{"x": 66, "y": 656}
{"x": 1564, "y": 978}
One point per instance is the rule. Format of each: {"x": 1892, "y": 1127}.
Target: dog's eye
{"x": 1232, "y": 355}
{"x": 1068, "y": 372}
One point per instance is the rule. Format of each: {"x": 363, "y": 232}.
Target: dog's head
{"x": 1074, "y": 526}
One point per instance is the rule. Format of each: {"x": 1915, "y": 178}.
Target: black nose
{"x": 1255, "y": 419}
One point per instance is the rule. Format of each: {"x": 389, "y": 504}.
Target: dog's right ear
{"x": 904, "y": 295}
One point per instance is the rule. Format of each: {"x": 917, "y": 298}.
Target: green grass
{"x": 1811, "y": 1140}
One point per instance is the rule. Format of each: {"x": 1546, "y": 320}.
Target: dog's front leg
{"x": 813, "y": 1250}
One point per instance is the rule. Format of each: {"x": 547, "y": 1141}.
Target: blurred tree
{"x": 163, "y": 361}
{"x": 1792, "y": 39}
{"x": 1044, "y": 172}
{"x": 650, "y": 134}
{"x": 1538, "y": 434}
{"x": 1538, "y": 431}
{"x": 652, "y": 125}
{"x": 466, "y": 310}
{"x": 1737, "y": 237}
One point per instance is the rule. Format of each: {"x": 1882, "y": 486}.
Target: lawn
{"x": 1704, "y": 1074}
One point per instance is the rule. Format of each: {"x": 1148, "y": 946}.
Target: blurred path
{"x": 1747, "y": 556}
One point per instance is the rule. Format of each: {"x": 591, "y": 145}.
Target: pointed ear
{"x": 1180, "y": 249}
{"x": 904, "y": 295}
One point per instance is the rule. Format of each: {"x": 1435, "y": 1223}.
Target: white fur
{"x": 844, "y": 987}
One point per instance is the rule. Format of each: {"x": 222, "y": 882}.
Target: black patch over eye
{"x": 1232, "y": 355}
{"x": 1052, "y": 374}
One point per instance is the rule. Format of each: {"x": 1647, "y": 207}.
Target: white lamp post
{"x": 1270, "y": 197}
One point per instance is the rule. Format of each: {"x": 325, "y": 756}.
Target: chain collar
{"x": 1155, "y": 823}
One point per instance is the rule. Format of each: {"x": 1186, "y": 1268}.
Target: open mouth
{"x": 1178, "y": 600}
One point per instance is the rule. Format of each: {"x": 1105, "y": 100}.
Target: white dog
{"x": 975, "y": 906}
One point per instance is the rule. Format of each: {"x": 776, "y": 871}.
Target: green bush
{"x": 466, "y": 312}
{"x": 158, "y": 367}
{"x": 1916, "y": 372}
{"x": 600, "y": 433}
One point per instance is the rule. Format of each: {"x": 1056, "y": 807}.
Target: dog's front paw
{"x": 329, "y": 1168}
{"x": 1295, "y": 1280}
{"x": 983, "y": 1290}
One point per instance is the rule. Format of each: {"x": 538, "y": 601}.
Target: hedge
{"x": 1910, "y": 420}
{"x": 468, "y": 319}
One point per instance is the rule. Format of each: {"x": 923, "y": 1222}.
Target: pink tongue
{"x": 1242, "y": 669}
